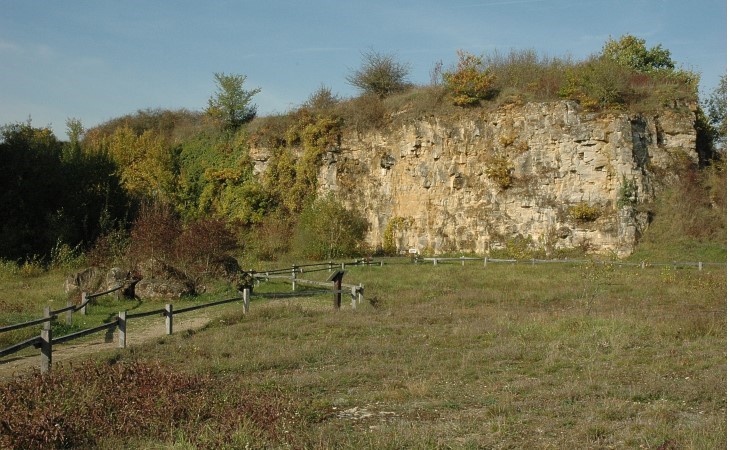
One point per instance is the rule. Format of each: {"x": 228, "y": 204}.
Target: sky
{"x": 95, "y": 60}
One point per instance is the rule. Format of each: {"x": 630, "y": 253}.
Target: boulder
{"x": 162, "y": 281}
{"x": 87, "y": 280}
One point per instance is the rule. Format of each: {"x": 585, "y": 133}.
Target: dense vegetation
{"x": 85, "y": 194}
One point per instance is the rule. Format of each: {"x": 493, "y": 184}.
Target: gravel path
{"x": 136, "y": 334}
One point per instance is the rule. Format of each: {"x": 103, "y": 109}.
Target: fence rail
{"x": 53, "y": 315}
{"x": 46, "y": 341}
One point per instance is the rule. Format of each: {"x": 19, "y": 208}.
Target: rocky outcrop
{"x": 162, "y": 281}
{"x": 546, "y": 173}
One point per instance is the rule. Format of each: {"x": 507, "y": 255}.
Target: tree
{"x": 50, "y": 196}
{"x": 231, "y": 104}
{"x": 470, "y": 81}
{"x": 380, "y": 74}
{"x": 327, "y": 230}
{"x": 146, "y": 164}
{"x": 716, "y": 108}
{"x": 630, "y": 51}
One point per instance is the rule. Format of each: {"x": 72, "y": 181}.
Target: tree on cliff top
{"x": 630, "y": 51}
{"x": 380, "y": 74}
{"x": 231, "y": 104}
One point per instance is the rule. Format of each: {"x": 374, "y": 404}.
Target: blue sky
{"x": 99, "y": 59}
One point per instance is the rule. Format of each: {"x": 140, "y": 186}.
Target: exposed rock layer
{"x": 476, "y": 183}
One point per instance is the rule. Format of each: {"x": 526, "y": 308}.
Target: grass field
{"x": 507, "y": 356}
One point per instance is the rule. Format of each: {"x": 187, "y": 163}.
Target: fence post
{"x": 293, "y": 277}
{"x": 359, "y": 293}
{"x": 168, "y": 318}
{"x": 331, "y": 265}
{"x": 435, "y": 261}
{"x": 122, "y": 324}
{"x": 643, "y": 265}
{"x": 83, "y": 302}
{"x": 699, "y": 265}
{"x": 46, "y": 342}
{"x": 246, "y": 298}
{"x": 336, "y": 278}
{"x": 353, "y": 294}
{"x": 462, "y": 260}
{"x": 69, "y": 313}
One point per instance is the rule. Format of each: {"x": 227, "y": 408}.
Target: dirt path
{"x": 136, "y": 334}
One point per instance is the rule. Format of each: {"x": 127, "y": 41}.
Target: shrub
{"x": 500, "y": 171}
{"x": 395, "y": 225}
{"x": 380, "y": 74}
{"x": 526, "y": 75}
{"x": 583, "y": 212}
{"x": 201, "y": 244}
{"x": 628, "y": 192}
{"x": 328, "y": 230}
{"x": 97, "y": 404}
{"x": 154, "y": 234}
{"x": 470, "y": 82}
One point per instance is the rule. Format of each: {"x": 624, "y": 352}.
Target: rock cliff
{"x": 546, "y": 174}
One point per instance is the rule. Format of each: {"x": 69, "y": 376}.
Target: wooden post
{"x": 485, "y": 261}
{"x": 46, "y": 342}
{"x": 122, "y": 324}
{"x": 168, "y": 318}
{"x": 83, "y": 302}
{"x": 336, "y": 279}
{"x": 69, "y": 313}
{"x": 331, "y": 265}
{"x": 359, "y": 293}
{"x": 353, "y": 294}
{"x": 435, "y": 261}
{"x": 293, "y": 277}
{"x": 246, "y": 299}
{"x": 699, "y": 265}
{"x": 643, "y": 264}
{"x": 462, "y": 260}
{"x": 343, "y": 266}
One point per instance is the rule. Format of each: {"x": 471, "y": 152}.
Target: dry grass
{"x": 508, "y": 356}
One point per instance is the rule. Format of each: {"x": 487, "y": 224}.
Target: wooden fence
{"x": 642, "y": 264}
{"x": 46, "y": 340}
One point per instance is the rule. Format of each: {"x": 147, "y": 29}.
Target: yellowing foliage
{"x": 470, "y": 82}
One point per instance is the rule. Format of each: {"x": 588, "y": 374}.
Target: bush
{"x": 583, "y": 212}
{"x": 154, "y": 234}
{"x": 327, "y": 230}
{"x": 470, "y": 82}
{"x": 97, "y": 404}
{"x": 500, "y": 171}
{"x": 380, "y": 75}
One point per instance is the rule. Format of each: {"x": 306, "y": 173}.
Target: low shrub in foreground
{"x": 98, "y": 404}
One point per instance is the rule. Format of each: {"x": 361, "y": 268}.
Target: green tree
{"x": 51, "y": 196}
{"x": 74, "y": 130}
{"x": 231, "y": 103}
{"x": 380, "y": 74}
{"x": 630, "y": 51}
{"x": 328, "y": 230}
{"x": 147, "y": 166}
{"x": 716, "y": 110}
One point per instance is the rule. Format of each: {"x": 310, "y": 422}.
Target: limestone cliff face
{"x": 544, "y": 172}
